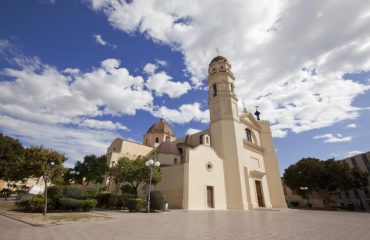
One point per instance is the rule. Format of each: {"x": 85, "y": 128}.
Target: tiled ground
{"x": 285, "y": 224}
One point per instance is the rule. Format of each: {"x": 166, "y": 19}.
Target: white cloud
{"x": 161, "y": 62}
{"x": 99, "y": 39}
{"x": 185, "y": 114}
{"x": 150, "y": 68}
{"x": 192, "y": 131}
{"x": 162, "y": 83}
{"x": 298, "y": 83}
{"x": 330, "y": 138}
{"x": 97, "y": 124}
{"x": 41, "y": 105}
{"x": 75, "y": 143}
{"x": 352, "y": 125}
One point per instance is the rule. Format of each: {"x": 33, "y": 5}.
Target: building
{"x": 230, "y": 165}
{"x": 357, "y": 199}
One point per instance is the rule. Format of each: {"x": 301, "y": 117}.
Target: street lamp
{"x": 109, "y": 177}
{"x": 151, "y": 164}
{"x": 305, "y": 189}
{"x": 74, "y": 174}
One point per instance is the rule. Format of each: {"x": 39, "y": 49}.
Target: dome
{"x": 218, "y": 58}
{"x": 161, "y": 127}
{"x": 168, "y": 147}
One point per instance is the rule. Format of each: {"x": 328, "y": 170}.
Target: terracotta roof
{"x": 168, "y": 147}
{"x": 161, "y": 127}
{"x": 218, "y": 58}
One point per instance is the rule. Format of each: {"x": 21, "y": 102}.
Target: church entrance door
{"x": 210, "y": 200}
{"x": 261, "y": 202}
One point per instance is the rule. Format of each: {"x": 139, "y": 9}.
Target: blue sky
{"x": 77, "y": 74}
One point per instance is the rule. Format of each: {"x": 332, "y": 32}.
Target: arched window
{"x": 248, "y": 135}
{"x": 214, "y": 90}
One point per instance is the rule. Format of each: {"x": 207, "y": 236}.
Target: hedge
{"x": 157, "y": 200}
{"x": 109, "y": 200}
{"x": 34, "y": 204}
{"x": 76, "y": 204}
{"x": 135, "y": 204}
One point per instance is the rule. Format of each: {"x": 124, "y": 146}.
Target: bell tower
{"x": 225, "y": 137}
{"x": 222, "y": 100}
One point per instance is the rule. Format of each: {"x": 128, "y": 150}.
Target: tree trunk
{"x": 45, "y": 196}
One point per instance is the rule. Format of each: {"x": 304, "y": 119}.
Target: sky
{"x": 76, "y": 74}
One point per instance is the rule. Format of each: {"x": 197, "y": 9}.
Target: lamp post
{"x": 48, "y": 174}
{"x": 151, "y": 164}
{"x": 109, "y": 177}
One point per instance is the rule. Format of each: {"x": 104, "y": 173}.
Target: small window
{"x": 175, "y": 161}
{"x": 157, "y": 140}
{"x": 214, "y": 90}
{"x": 248, "y": 135}
{"x": 232, "y": 87}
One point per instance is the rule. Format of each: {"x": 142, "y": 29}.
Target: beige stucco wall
{"x": 122, "y": 148}
{"x": 272, "y": 169}
{"x": 168, "y": 159}
{"x": 197, "y": 178}
{"x": 172, "y": 185}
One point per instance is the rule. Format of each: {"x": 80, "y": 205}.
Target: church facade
{"x": 230, "y": 165}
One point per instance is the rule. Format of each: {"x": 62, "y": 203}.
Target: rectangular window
{"x": 248, "y": 135}
{"x": 157, "y": 140}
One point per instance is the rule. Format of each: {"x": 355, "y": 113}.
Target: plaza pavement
{"x": 256, "y": 225}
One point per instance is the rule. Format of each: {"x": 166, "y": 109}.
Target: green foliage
{"x": 44, "y": 162}
{"x": 109, "y": 200}
{"x": 71, "y": 204}
{"x": 55, "y": 192}
{"x": 79, "y": 192}
{"x": 135, "y": 204}
{"x": 12, "y": 162}
{"x": 324, "y": 177}
{"x": 5, "y": 192}
{"x": 92, "y": 169}
{"x": 134, "y": 172}
{"x": 77, "y": 204}
{"x": 34, "y": 204}
{"x": 128, "y": 190}
{"x": 157, "y": 200}
{"x": 89, "y": 204}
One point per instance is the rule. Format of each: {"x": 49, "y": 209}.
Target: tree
{"x": 324, "y": 177}
{"x": 46, "y": 163}
{"x": 92, "y": 169}
{"x": 134, "y": 172}
{"x": 12, "y": 164}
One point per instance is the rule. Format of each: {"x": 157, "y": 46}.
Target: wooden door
{"x": 261, "y": 202}
{"x": 210, "y": 202}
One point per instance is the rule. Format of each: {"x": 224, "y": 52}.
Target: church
{"x": 230, "y": 165}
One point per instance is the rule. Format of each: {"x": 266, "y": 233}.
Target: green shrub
{"x": 34, "y": 204}
{"x": 79, "y": 192}
{"x": 77, "y": 204}
{"x": 55, "y": 192}
{"x": 5, "y": 192}
{"x": 106, "y": 200}
{"x": 71, "y": 204}
{"x": 89, "y": 204}
{"x": 135, "y": 204}
{"x": 128, "y": 190}
{"x": 157, "y": 200}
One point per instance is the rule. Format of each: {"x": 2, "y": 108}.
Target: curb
{"x": 19, "y": 220}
